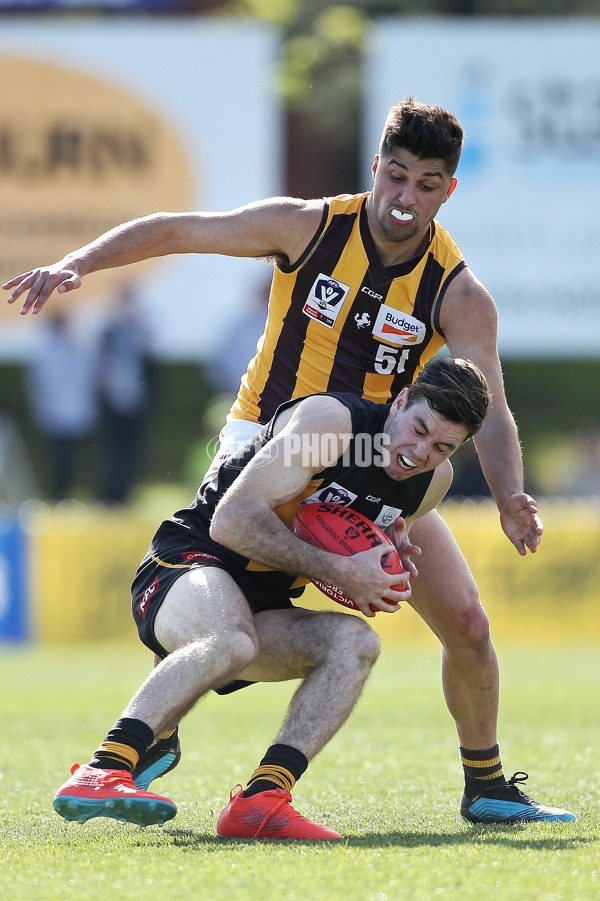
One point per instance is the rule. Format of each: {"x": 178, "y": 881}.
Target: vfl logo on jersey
{"x": 332, "y": 494}
{"x": 398, "y": 328}
{"x": 325, "y": 300}
{"x": 387, "y": 516}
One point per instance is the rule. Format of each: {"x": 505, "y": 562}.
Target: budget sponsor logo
{"x": 398, "y": 328}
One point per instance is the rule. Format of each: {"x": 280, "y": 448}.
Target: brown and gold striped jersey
{"x": 339, "y": 320}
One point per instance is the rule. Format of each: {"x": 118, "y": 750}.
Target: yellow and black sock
{"x": 281, "y": 767}
{"x": 123, "y": 745}
{"x": 483, "y": 770}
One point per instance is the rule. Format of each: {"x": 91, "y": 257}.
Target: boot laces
{"x": 110, "y": 777}
{"x": 519, "y": 778}
{"x": 283, "y": 802}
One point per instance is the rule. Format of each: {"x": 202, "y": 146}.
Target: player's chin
{"x": 392, "y": 472}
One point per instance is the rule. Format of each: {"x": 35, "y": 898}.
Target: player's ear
{"x": 451, "y": 187}
{"x": 400, "y": 401}
{"x": 375, "y": 165}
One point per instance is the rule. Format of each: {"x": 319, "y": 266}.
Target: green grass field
{"x": 390, "y": 782}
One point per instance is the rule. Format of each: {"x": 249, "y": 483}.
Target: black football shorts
{"x": 160, "y": 569}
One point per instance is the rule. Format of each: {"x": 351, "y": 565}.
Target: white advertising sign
{"x": 525, "y": 210}
{"x": 105, "y": 121}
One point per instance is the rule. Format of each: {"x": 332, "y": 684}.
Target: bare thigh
{"x": 293, "y": 642}
{"x": 203, "y": 603}
{"x": 444, "y": 594}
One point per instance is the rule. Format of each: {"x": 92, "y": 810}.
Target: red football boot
{"x": 91, "y": 792}
{"x": 267, "y": 815}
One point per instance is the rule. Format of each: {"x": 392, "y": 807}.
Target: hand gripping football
{"x": 341, "y": 530}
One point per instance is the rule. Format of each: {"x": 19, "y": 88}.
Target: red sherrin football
{"x": 341, "y": 530}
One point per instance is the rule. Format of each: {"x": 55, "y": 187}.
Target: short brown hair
{"x": 428, "y": 132}
{"x": 454, "y": 388}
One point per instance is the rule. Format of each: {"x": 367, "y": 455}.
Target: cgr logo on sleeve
{"x": 325, "y": 300}
{"x": 397, "y": 327}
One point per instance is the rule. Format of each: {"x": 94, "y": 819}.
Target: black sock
{"x": 123, "y": 745}
{"x": 281, "y": 767}
{"x": 483, "y": 770}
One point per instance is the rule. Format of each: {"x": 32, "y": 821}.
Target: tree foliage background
{"x": 321, "y": 73}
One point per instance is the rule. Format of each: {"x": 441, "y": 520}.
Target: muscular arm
{"x": 277, "y": 227}
{"x": 469, "y": 322}
{"x": 245, "y": 521}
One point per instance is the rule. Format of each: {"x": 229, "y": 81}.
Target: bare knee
{"x": 224, "y": 653}
{"x": 236, "y": 648}
{"x": 336, "y": 638}
{"x": 358, "y": 639}
{"x": 471, "y": 630}
{"x": 370, "y": 644}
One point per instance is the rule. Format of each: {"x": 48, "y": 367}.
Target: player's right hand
{"x": 40, "y": 283}
{"x": 369, "y": 585}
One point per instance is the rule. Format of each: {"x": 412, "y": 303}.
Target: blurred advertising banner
{"x": 14, "y": 595}
{"x": 96, "y": 6}
{"x": 105, "y": 121}
{"x": 81, "y": 562}
{"x": 525, "y": 210}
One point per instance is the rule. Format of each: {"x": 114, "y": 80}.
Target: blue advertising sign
{"x": 14, "y": 619}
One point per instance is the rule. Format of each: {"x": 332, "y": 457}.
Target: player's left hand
{"x": 399, "y": 535}
{"x": 521, "y": 524}
{"x": 40, "y": 283}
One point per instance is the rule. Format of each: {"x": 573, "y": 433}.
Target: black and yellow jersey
{"x": 339, "y": 320}
{"x": 355, "y": 480}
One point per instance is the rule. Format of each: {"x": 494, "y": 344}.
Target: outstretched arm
{"x": 280, "y": 227}
{"x": 469, "y": 321}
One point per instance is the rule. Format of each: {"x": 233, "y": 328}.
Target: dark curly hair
{"x": 454, "y": 388}
{"x": 428, "y": 132}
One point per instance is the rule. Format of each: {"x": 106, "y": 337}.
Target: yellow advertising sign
{"x": 78, "y": 155}
{"x": 81, "y": 571}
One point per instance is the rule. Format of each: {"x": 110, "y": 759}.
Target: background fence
{"x": 67, "y": 573}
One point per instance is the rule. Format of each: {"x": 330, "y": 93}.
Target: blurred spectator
{"x": 17, "y": 480}
{"x": 468, "y": 480}
{"x": 585, "y": 466}
{"x": 125, "y": 390}
{"x": 61, "y": 381}
{"x": 232, "y": 358}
